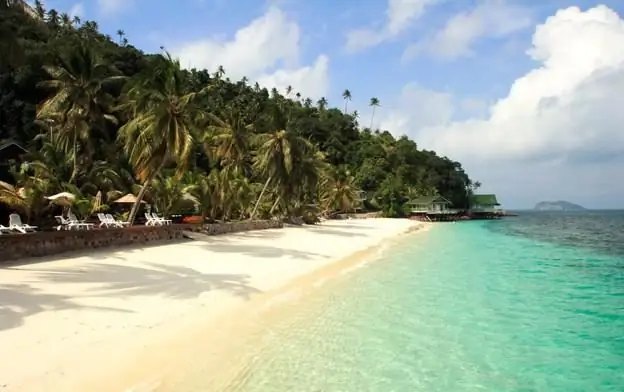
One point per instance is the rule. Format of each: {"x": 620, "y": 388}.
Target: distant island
{"x": 558, "y": 206}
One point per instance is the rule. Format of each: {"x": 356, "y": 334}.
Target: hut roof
{"x": 425, "y": 200}
{"x": 485, "y": 200}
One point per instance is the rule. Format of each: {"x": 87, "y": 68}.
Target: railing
{"x": 487, "y": 210}
{"x": 447, "y": 211}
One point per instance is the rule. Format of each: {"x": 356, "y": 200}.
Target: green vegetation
{"x": 99, "y": 116}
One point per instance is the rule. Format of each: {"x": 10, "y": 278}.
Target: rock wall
{"x": 20, "y": 246}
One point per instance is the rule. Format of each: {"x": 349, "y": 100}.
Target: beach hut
{"x": 484, "y": 203}
{"x": 485, "y": 206}
{"x": 428, "y": 204}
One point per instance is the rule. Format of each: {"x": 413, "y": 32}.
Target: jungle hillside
{"x": 99, "y": 118}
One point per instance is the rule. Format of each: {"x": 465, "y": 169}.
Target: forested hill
{"x": 98, "y": 114}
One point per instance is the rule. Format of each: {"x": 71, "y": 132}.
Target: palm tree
{"x": 229, "y": 140}
{"x": 171, "y": 195}
{"x": 374, "y": 102}
{"x": 163, "y": 121}
{"x": 322, "y": 103}
{"x": 121, "y": 34}
{"x": 81, "y": 100}
{"x": 282, "y": 158}
{"x": 39, "y": 9}
{"x": 346, "y": 95}
{"x": 338, "y": 191}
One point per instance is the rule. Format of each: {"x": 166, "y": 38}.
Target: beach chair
{"x": 4, "y": 229}
{"x": 115, "y": 221}
{"x": 65, "y": 224}
{"x": 160, "y": 220}
{"x": 149, "y": 220}
{"x": 104, "y": 222}
{"x": 79, "y": 223}
{"x": 15, "y": 223}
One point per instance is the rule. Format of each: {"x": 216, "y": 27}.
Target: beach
{"x": 110, "y": 320}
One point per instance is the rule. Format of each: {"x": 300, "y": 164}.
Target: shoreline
{"x": 206, "y": 326}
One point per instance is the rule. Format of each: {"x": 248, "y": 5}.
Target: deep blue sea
{"x": 531, "y": 303}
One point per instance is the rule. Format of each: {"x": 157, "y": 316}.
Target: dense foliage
{"x": 99, "y": 116}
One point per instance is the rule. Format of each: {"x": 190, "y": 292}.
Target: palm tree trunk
{"x": 372, "y": 117}
{"x": 274, "y": 204}
{"x": 75, "y": 171}
{"x": 137, "y": 203}
{"x": 253, "y": 212}
{"x": 346, "y": 102}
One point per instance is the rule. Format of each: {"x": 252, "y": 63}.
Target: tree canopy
{"x": 99, "y": 116}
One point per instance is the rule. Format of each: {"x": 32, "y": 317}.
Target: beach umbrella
{"x": 98, "y": 201}
{"x": 128, "y": 199}
{"x": 63, "y": 198}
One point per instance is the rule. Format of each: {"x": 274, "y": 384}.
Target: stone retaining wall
{"x": 48, "y": 243}
{"x": 360, "y": 215}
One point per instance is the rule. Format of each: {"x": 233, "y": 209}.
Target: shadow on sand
{"x": 112, "y": 280}
{"x": 266, "y": 252}
{"x": 19, "y": 301}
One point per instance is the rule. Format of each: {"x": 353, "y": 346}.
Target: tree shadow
{"x": 341, "y": 233}
{"x": 259, "y": 234}
{"x": 348, "y": 227}
{"x": 266, "y": 252}
{"x": 19, "y": 301}
{"x": 104, "y": 253}
{"x": 176, "y": 282}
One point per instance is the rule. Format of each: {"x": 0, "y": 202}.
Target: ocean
{"x": 531, "y": 303}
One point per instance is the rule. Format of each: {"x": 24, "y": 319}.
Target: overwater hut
{"x": 432, "y": 208}
{"x": 485, "y": 207}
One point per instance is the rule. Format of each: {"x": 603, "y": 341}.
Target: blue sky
{"x": 450, "y": 92}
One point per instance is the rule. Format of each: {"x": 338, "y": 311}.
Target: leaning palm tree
{"x": 228, "y": 140}
{"x": 338, "y": 191}
{"x": 163, "y": 119}
{"x": 346, "y": 95}
{"x": 374, "y": 102}
{"x": 81, "y": 100}
{"x": 280, "y": 157}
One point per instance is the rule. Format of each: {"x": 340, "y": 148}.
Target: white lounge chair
{"x": 15, "y": 223}
{"x": 65, "y": 224}
{"x": 115, "y": 221}
{"x": 160, "y": 220}
{"x": 4, "y": 229}
{"x": 104, "y": 222}
{"x": 149, "y": 220}
{"x": 79, "y": 223}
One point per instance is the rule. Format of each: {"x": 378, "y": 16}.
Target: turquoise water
{"x": 472, "y": 306}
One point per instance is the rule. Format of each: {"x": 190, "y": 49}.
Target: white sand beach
{"x": 74, "y": 323}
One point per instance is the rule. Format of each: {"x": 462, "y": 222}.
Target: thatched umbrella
{"x": 128, "y": 199}
{"x": 64, "y": 199}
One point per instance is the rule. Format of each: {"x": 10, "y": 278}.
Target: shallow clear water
{"x": 513, "y": 305}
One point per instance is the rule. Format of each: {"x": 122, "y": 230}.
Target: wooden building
{"x": 485, "y": 207}
{"x": 432, "y": 208}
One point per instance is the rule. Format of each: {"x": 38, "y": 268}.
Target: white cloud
{"x": 491, "y": 18}
{"x": 416, "y": 108}
{"x": 267, "y": 50}
{"x": 562, "y": 120}
{"x": 77, "y": 10}
{"x": 400, "y": 15}
{"x": 568, "y": 107}
{"x": 110, "y": 7}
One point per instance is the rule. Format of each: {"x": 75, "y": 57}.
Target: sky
{"x": 526, "y": 94}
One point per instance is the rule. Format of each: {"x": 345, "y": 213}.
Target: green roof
{"x": 485, "y": 200}
{"x": 426, "y": 200}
